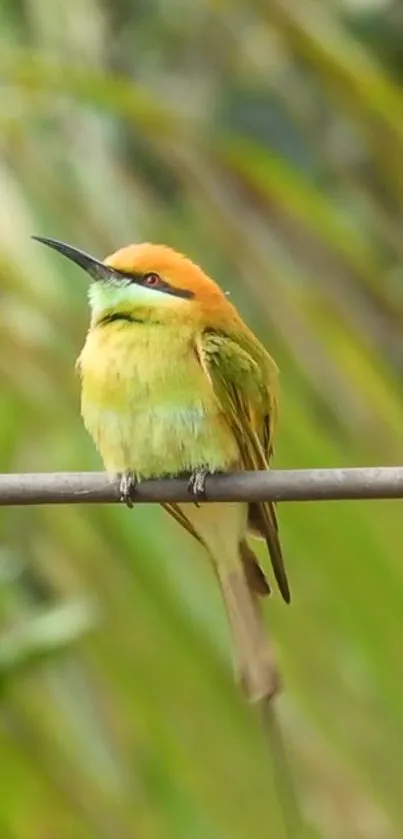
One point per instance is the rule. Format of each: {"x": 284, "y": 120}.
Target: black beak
{"x": 94, "y": 267}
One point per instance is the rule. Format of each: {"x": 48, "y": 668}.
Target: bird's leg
{"x": 127, "y": 487}
{"x": 197, "y": 484}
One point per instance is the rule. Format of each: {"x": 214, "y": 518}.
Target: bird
{"x": 173, "y": 382}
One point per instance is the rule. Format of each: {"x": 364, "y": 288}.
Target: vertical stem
{"x": 258, "y": 673}
{"x": 283, "y": 778}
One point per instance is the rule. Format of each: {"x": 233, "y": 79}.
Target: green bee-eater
{"x": 173, "y": 381}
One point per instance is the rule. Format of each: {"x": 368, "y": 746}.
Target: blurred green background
{"x": 264, "y": 139}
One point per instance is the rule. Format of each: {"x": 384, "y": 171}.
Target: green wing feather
{"x": 175, "y": 511}
{"x": 244, "y": 378}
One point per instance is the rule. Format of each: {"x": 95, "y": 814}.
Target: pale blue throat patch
{"x": 104, "y": 296}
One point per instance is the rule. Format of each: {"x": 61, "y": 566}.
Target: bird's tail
{"x": 254, "y": 661}
{"x": 255, "y": 576}
{"x": 221, "y": 528}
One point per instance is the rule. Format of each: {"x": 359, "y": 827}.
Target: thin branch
{"x": 293, "y": 821}
{"x": 257, "y": 673}
{"x": 274, "y": 485}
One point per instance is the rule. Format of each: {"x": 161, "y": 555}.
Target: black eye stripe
{"x": 160, "y": 285}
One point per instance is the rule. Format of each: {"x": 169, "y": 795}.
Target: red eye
{"x": 151, "y": 279}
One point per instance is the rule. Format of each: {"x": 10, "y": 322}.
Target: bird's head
{"x": 153, "y": 282}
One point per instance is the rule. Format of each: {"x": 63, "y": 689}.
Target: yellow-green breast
{"x": 148, "y": 404}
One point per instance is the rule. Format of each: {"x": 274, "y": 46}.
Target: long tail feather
{"x": 255, "y": 576}
{"x": 254, "y": 660}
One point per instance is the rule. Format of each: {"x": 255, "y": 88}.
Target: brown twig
{"x": 284, "y": 781}
{"x": 257, "y": 672}
{"x": 274, "y": 485}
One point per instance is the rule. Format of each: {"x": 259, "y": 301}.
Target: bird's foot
{"x": 197, "y": 484}
{"x": 127, "y": 487}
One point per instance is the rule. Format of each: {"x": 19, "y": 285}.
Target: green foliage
{"x": 264, "y": 139}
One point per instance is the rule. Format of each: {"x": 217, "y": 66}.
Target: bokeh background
{"x": 265, "y": 139}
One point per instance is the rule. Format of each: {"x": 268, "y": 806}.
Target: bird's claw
{"x": 197, "y": 484}
{"x": 127, "y": 488}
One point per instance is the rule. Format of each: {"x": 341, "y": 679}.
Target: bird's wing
{"x": 244, "y": 379}
{"x": 175, "y": 511}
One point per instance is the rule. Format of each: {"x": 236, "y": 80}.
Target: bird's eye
{"x": 152, "y": 280}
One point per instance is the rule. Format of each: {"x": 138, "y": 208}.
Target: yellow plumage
{"x": 173, "y": 381}
{"x": 148, "y": 404}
